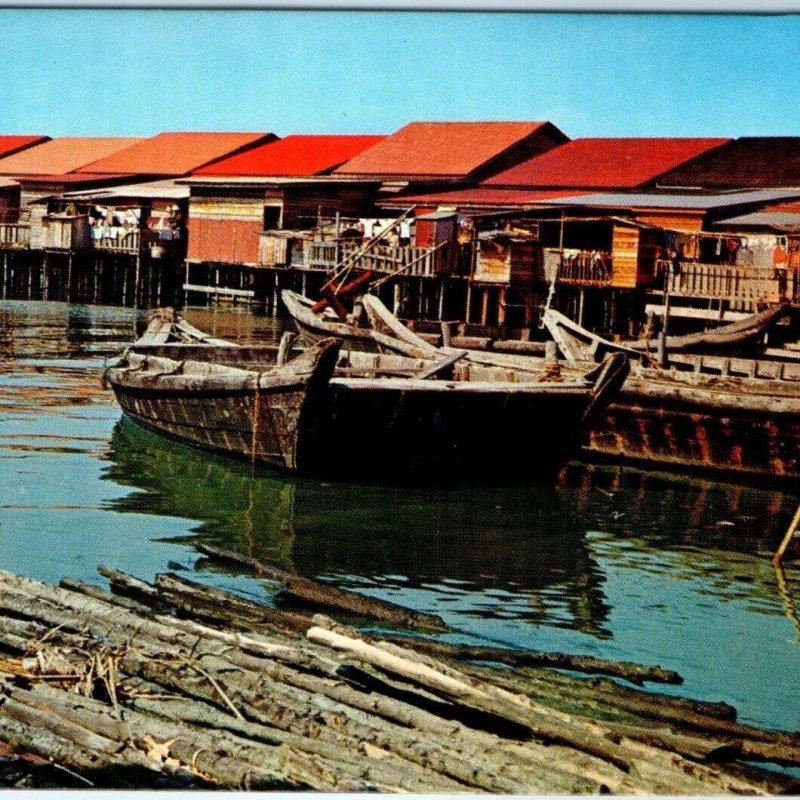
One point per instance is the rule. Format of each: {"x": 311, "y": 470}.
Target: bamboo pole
{"x": 790, "y": 532}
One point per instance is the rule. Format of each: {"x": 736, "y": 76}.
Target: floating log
{"x": 321, "y": 595}
{"x": 635, "y": 673}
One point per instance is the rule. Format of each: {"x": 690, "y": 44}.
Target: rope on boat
{"x": 551, "y": 373}
{"x": 254, "y": 426}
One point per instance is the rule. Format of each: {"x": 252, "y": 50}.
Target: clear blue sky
{"x": 137, "y": 72}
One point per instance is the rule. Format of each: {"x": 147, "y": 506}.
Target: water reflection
{"x": 456, "y": 543}
{"x": 60, "y": 330}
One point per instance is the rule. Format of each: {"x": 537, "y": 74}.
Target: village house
{"x": 520, "y": 239}
{"x": 484, "y": 222}
{"x": 254, "y": 215}
{"x": 60, "y": 240}
{"x": 315, "y": 200}
{"x": 433, "y": 157}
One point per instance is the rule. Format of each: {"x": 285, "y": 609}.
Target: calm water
{"x": 621, "y": 564}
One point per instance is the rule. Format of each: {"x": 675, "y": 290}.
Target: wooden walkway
{"x": 177, "y": 685}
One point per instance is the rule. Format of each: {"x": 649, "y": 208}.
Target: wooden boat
{"x": 388, "y": 415}
{"x": 579, "y": 344}
{"x": 315, "y": 326}
{"x": 739, "y": 426}
{"x": 726, "y": 414}
{"x": 166, "y": 326}
{"x": 265, "y": 415}
{"x": 384, "y": 332}
{"x": 479, "y": 422}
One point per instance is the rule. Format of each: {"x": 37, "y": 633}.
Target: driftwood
{"x": 147, "y": 693}
{"x": 635, "y": 673}
{"x": 306, "y": 591}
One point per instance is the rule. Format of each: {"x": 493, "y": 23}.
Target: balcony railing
{"x": 119, "y": 240}
{"x": 15, "y": 236}
{"x": 588, "y": 269}
{"x": 279, "y": 251}
{"x": 738, "y": 285}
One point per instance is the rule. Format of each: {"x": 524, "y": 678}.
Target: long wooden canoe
{"x": 579, "y": 344}
{"x": 313, "y": 327}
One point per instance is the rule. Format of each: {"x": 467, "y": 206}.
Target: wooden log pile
{"x": 178, "y": 685}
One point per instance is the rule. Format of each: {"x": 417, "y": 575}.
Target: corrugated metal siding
{"x": 227, "y": 240}
{"x": 226, "y": 208}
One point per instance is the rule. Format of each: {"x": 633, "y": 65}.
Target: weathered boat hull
{"x": 379, "y": 414}
{"x": 743, "y": 427}
{"x": 405, "y": 428}
{"x": 265, "y": 417}
{"x": 579, "y": 344}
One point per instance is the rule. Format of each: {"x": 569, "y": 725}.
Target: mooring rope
{"x": 551, "y": 373}
{"x": 254, "y": 426}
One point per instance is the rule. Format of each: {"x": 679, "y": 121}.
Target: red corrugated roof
{"x": 11, "y": 144}
{"x": 65, "y": 154}
{"x": 292, "y": 156}
{"x": 68, "y": 178}
{"x": 175, "y": 154}
{"x": 481, "y": 196}
{"x": 604, "y": 163}
{"x": 439, "y": 149}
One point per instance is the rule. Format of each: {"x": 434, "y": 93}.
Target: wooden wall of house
{"x": 9, "y": 204}
{"x": 509, "y": 262}
{"x": 493, "y": 263}
{"x": 651, "y": 242}
{"x": 303, "y": 206}
{"x": 625, "y": 255}
{"x": 225, "y": 230}
{"x": 526, "y": 260}
{"x": 672, "y": 221}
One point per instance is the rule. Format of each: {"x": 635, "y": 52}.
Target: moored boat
{"x": 263, "y": 414}
{"x": 315, "y": 326}
{"x": 724, "y": 414}
{"x": 579, "y": 344}
{"x": 387, "y": 415}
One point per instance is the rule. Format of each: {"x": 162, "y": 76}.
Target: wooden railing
{"x": 748, "y": 285}
{"x": 586, "y": 269}
{"x": 120, "y": 240}
{"x": 410, "y": 260}
{"x": 15, "y": 235}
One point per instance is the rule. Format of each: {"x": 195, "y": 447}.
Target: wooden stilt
{"x": 69, "y": 279}
{"x": 136, "y": 280}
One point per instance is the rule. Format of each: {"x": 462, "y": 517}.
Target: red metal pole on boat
{"x": 343, "y": 291}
